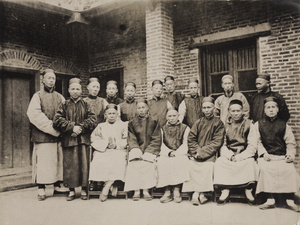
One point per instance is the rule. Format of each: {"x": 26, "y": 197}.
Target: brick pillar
{"x": 159, "y": 43}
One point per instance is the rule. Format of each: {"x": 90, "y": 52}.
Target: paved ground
{"x": 22, "y": 208}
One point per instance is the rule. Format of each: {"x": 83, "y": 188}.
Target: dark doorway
{"x": 16, "y": 89}
{"x": 104, "y": 76}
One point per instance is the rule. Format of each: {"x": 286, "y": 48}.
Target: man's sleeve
{"x": 132, "y": 138}
{"x": 60, "y": 122}
{"x": 214, "y": 145}
{"x": 38, "y": 118}
{"x": 290, "y": 142}
{"x": 283, "y": 109}
{"x": 155, "y": 140}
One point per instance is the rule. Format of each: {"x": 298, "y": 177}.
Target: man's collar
{"x": 230, "y": 95}
{"x": 130, "y": 100}
{"x": 92, "y": 96}
{"x": 48, "y": 89}
{"x": 75, "y": 101}
{"x": 156, "y": 98}
{"x": 210, "y": 117}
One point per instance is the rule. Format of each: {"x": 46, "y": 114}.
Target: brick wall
{"x": 279, "y": 52}
{"x": 43, "y": 37}
{"x": 118, "y": 40}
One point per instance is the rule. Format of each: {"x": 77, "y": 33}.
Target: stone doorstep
{"x": 15, "y": 179}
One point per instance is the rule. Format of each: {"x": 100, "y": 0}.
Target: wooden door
{"x": 15, "y": 92}
{"x": 238, "y": 59}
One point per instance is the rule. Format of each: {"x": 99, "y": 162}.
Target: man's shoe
{"x": 71, "y": 197}
{"x": 224, "y": 197}
{"x": 249, "y": 196}
{"x": 147, "y": 197}
{"x": 103, "y": 197}
{"x": 195, "y": 201}
{"x": 136, "y": 197}
{"x": 83, "y": 197}
{"x": 41, "y": 197}
{"x": 166, "y": 198}
{"x": 177, "y": 199}
{"x": 202, "y": 199}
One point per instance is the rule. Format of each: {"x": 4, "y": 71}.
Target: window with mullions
{"x": 237, "y": 58}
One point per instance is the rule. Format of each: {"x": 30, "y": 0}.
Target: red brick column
{"x": 159, "y": 43}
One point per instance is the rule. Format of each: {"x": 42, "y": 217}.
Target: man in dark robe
{"x": 97, "y": 104}
{"x": 128, "y": 107}
{"x": 264, "y": 91}
{"x": 204, "y": 141}
{"x": 144, "y": 140}
{"x": 190, "y": 108}
{"x": 158, "y": 106}
{"x": 112, "y": 93}
{"x": 276, "y": 148}
{"x": 75, "y": 120}
{"x": 175, "y": 98}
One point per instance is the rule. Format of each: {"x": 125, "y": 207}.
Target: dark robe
{"x": 128, "y": 109}
{"x": 175, "y": 99}
{"x": 97, "y": 106}
{"x": 272, "y": 135}
{"x": 173, "y": 135}
{"x": 114, "y": 100}
{"x": 193, "y": 109}
{"x": 75, "y": 149}
{"x": 145, "y": 134}
{"x": 50, "y": 102}
{"x": 206, "y": 138}
{"x": 237, "y": 135}
{"x": 257, "y": 106}
{"x": 158, "y": 108}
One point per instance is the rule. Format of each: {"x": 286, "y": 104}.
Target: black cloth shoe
{"x": 41, "y": 197}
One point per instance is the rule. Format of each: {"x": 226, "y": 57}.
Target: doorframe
{"x": 34, "y": 87}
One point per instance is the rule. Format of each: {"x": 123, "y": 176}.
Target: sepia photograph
{"x": 149, "y": 112}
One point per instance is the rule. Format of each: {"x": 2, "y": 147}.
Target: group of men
{"x": 183, "y": 143}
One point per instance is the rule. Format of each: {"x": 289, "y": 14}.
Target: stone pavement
{"x": 22, "y": 208}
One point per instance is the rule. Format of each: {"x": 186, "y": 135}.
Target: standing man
{"x": 158, "y": 106}
{"x": 264, "y": 91}
{"x": 190, "y": 108}
{"x": 204, "y": 141}
{"x": 97, "y": 104}
{"x": 222, "y": 102}
{"x": 175, "y": 98}
{"x": 128, "y": 107}
{"x": 112, "y": 93}
{"x": 75, "y": 120}
{"x": 47, "y": 152}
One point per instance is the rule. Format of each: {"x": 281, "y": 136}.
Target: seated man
{"x": 204, "y": 141}
{"x": 173, "y": 162}
{"x": 109, "y": 141}
{"x": 276, "y": 149}
{"x": 236, "y": 166}
{"x": 144, "y": 140}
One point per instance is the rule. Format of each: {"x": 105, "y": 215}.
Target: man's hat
{"x": 74, "y": 80}
{"x": 208, "y": 99}
{"x": 235, "y": 102}
{"x": 271, "y": 99}
{"x": 112, "y": 82}
{"x": 157, "y": 82}
{"x": 93, "y": 79}
{"x": 191, "y": 80}
{"x": 227, "y": 76}
{"x": 111, "y": 106}
{"x": 169, "y": 77}
{"x": 264, "y": 76}
{"x": 141, "y": 100}
{"x": 43, "y": 72}
{"x": 130, "y": 84}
